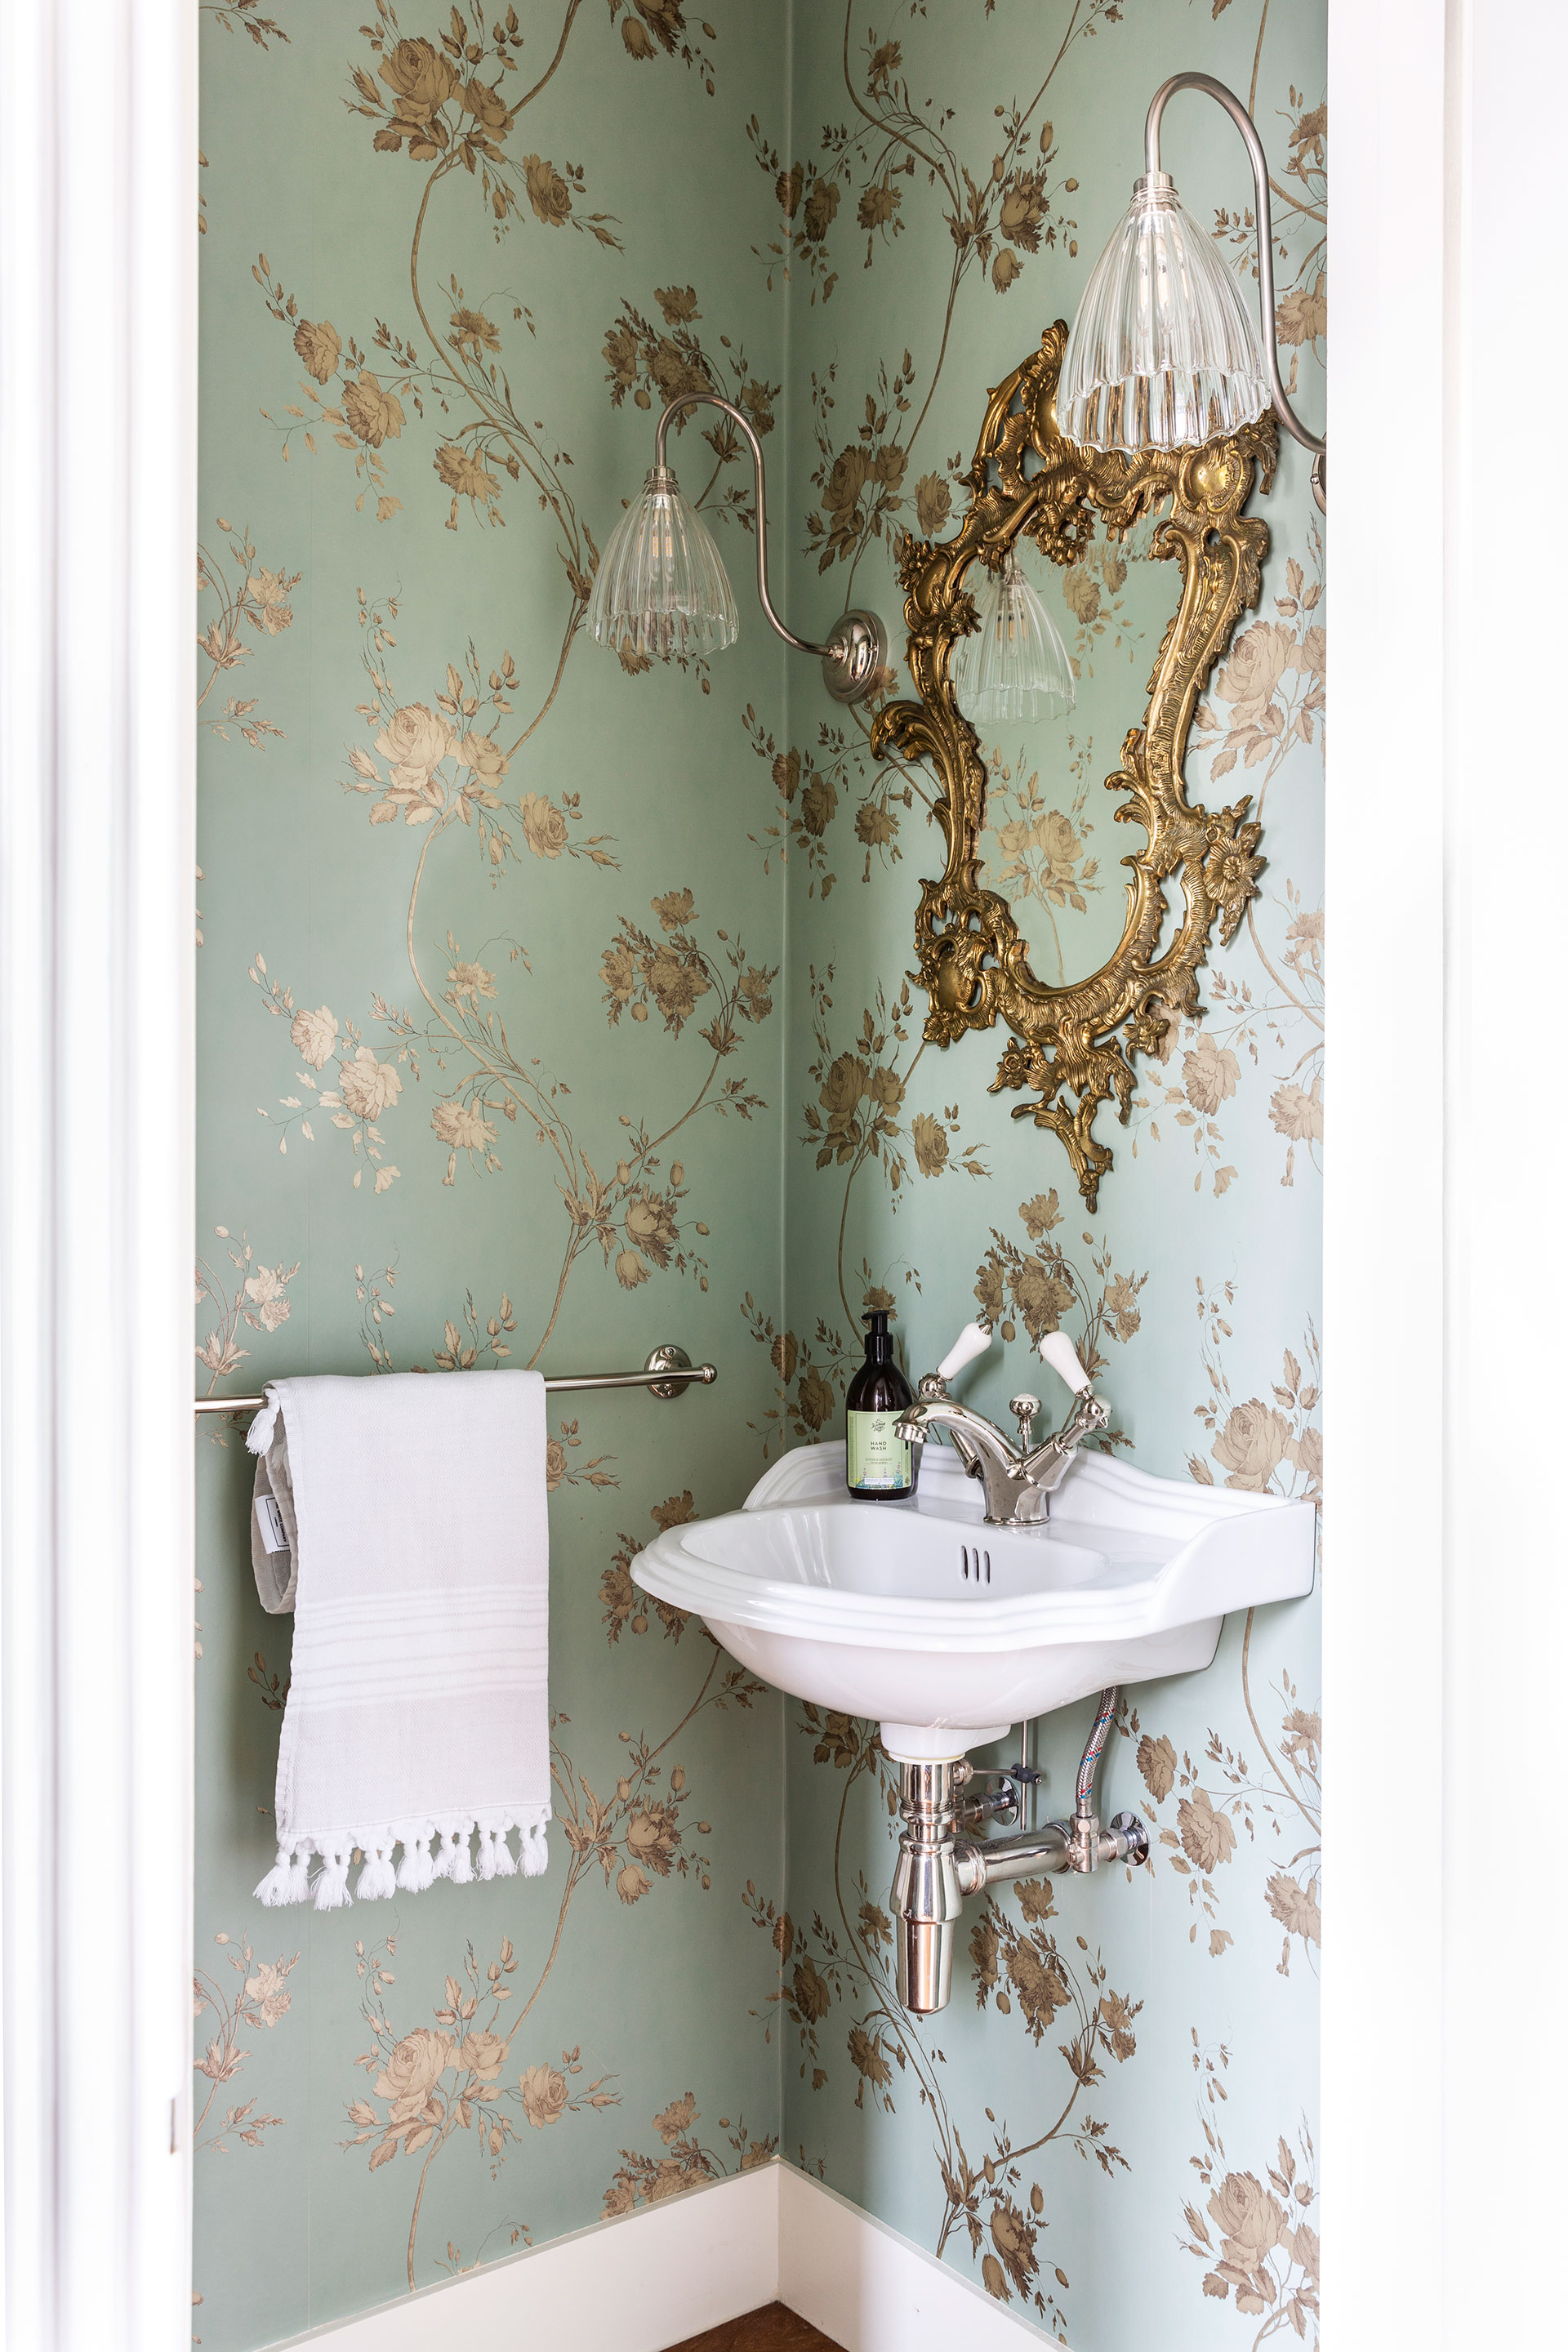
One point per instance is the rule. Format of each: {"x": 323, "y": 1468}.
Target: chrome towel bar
{"x": 668, "y": 1373}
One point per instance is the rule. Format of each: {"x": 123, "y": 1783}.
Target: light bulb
{"x": 661, "y": 589}
{"x": 1163, "y": 352}
{"x": 1015, "y": 665}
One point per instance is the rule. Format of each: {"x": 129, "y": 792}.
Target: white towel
{"x": 419, "y": 1569}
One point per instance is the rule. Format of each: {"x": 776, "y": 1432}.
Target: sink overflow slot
{"x": 976, "y": 1564}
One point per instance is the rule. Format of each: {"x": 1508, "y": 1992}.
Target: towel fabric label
{"x": 878, "y": 1459}
{"x": 269, "y": 1521}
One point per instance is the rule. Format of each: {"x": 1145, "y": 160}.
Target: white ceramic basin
{"x": 947, "y": 1631}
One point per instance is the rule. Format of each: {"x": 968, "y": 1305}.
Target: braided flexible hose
{"x": 1089, "y": 1763}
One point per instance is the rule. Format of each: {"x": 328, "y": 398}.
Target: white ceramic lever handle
{"x": 972, "y": 1341}
{"x": 1058, "y": 1350}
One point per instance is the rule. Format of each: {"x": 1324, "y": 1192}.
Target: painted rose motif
{"x": 470, "y": 981}
{"x": 416, "y": 741}
{"x": 1259, "y": 657}
{"x": 545, "y": 2095}
{"x": 411, "y": 2071}
{"x": 1210, "y": 1072}
{"x": 465, "y": 477}
{"x": 267, "y": 1290}
{"x": 472, "y": 332}
{"x": 1252, "y": 1444}
{"x": 314, "y": 1036}
{"x": 368, "y": 1086}
{"x": 372, "y": 415}
{"x": 929, "y": 1138}
{"x": 482, "y": 2054}
{"x": 319, "y": 346}
{"x": 1251, "y": 2220}
{"x": 547, "y": 191}
{"x": 484, "y": 757}
{"x": 269, "y": 609}
{"x": 463, "y": 1125}
{"x": 544, "y": 828}
{"x": 421, "y": 82}
{"x": 266, "y": 1992}
{"x": 1208, "y": 1837}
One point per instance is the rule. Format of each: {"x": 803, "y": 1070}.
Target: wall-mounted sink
{"x": 947, "y": 1631}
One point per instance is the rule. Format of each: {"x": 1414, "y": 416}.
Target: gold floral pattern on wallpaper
{"x": 1267, "y": 1790}
{"x": 682, "y": 2161}
{"x": 1253, "y": 2235}
{"x": 1038, "y": 1287}
{"x": 434, "y": 2081}
{"x": 1266, "y": 700}
{"x": 258, "y": 2003}
{"x": 245, "y": 592}
{"x": 1041, "y": 852}
{"x": 244, "y": 17}
{"x": 258, "y": 1299}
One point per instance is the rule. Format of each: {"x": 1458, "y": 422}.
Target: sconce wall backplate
{"x": 1071, "y": 1046}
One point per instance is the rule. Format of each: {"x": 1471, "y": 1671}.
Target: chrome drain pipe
{"x": 938, "y": 1868}
{"x": 927, "y": 1899}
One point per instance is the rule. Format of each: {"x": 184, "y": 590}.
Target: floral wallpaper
{"x": 530, "y": 985}
{"x": 1111, "y": 2128}
{"x": 491, "y": 1072}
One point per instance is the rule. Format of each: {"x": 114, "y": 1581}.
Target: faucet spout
{"x": 1017, "y": 1485}
{"x": 979, "y": 1446}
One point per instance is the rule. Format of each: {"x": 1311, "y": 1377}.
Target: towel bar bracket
{"x": 667, "y": 1373}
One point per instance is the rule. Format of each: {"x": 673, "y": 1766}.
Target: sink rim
{"x": 969, "y": 1623}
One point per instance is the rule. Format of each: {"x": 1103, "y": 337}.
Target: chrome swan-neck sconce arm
{"x": 1163, "y": 352}
{"x": 661, "y": 590}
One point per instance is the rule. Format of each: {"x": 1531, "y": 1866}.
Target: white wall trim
{"x": 98, "y": 363}
{"x": 674, "y": 2270}
{"x": 1383, "y": 1182}
{"x": 1446, "y": 1374}
{"x": 636, "y": 2285}
{"x": 872, "y": 2290}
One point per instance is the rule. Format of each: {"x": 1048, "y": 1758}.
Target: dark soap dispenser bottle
{"x": 881, "y": 1466}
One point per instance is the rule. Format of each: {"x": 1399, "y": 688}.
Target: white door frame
{"x": 1444, "y": 2057}
{"x": 97, "y": 363}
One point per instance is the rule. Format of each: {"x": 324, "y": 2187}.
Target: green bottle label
{"x": 879, "y": 1460}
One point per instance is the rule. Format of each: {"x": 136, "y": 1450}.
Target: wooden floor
{"x": 775, "y": 2328}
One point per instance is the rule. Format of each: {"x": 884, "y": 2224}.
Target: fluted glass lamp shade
{"x": 1015, "y": 665}
{"x": 661, "y": 589}
{"x": 1163, "y": 352}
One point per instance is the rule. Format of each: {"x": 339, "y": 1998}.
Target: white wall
{"x": 1445, "y": 1384}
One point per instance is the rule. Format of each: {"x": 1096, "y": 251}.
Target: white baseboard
{"x": 633, "y": 2285}
{"x": 671, "y": 2270}
{"x": 873, "y": 2291}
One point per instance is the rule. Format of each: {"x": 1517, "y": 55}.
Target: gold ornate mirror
{"x": 1027, "y": 890}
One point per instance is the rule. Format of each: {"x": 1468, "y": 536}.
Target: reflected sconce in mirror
{"x": 1163, "y": 353}
{"x": 661, "y": 590}
{"x": 1014, "y": 666}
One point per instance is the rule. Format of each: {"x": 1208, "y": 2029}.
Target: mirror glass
{"x": 1051, "y": 845}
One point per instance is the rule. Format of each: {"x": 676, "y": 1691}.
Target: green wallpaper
{"x": 1111, "y": 2127}
{"x": 548, "y": 1011}
{"x": 490, "y": 1070}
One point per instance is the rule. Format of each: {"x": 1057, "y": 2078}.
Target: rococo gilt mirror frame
{"x": 1071, "y": 1046}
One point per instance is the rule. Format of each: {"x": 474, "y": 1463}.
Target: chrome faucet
{"x": 1018, "y": 1478}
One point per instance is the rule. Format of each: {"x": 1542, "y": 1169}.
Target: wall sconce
{"x": 1163, "y": 353}
{"x": 1014, "y": 666}
{"x": 661, "y": 589}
